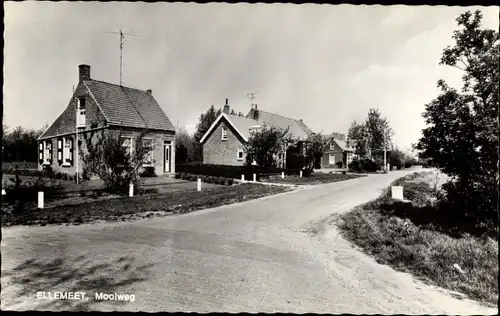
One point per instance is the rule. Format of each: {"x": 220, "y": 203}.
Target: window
{"x": 40, "y": 152}
{"x": 148, "y": 157}
{"x": 48, "y": 152}
{"x": 60, "y": 151}
{"x": 240, "y": 154}
{"x": 127, "y": 143}
{"x": 67, "y": 151}
{"x": 224, "y": 133}
{"x": 332, "y": 146}
{"x": 81, "y": 112}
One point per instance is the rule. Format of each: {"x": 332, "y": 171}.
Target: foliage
{"x": 234, "y": 172}
{"x": 148, "y": 172}
{"x": 204, "y": 122}
{"x": 266, "y": 144}
{"x": 363, "y": 165}
{"x": 462, "y": 133}
{"x": 26, "y": 191}
{"x": 376, "y": 127}
{"x": 104, "y": 155}
{"x": 204, "y": 178}
{"x": 20, "y": 144}
{"x": 396, "y": 158}
{"x": 315, "y": 146}
{"x": 185, "y": 147}
{"x": 358, "y": 133}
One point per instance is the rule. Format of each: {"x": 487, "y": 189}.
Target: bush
{"x": 408, "y": 165}
{"x": 233, "y": 172}
{"x": 363, "y": 165}
{"x": 339, "y": 164}
{"x": 177, "y": 176}
{"x": 148, "y": 172}
{"x": 229, "y": 181}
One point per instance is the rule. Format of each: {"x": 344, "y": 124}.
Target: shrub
{"x": 408, "y": 165}
{"x": 229, "y": 181}
{"x": 177, "y": 176}
{"x": 148, "y": 172}
{"x": 338, "y": 164}
{"x": 233, "y": 172}
{"x": 221, "y": 181}
{"x": 362, "y": 165}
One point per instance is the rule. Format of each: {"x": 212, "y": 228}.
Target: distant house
{"x": 97, "y": 105}
{"x": 224, "y": 142}
{"x": 340, "y": 152}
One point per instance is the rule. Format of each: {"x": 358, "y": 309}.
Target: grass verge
{"x": 315, "y": 178}
{"x": 141, "y": 206}
{"x": 390, "y": 231}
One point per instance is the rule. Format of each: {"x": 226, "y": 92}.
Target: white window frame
{"x": 81, "y": 117}
{"x": 46, "y": 153}
{"x": 330, "y": 156}
{"x": 41, "y": 154}
{"x": 152, "y": 152}
{"x": 60, "y": 149}
{"x": 332, "y": 146}
{"x": 238, "y": 151}
{"x": 66, "y": 151}
{"x": 224, "y": 132}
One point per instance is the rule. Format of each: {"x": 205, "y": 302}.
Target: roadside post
{"x": 242, "y": 178}
{"x": 397, "y": 192}
{"x": 131, "y": 189}
{"x": 254, "y": 177}
{"x": 282, "y": 175}
{"x": 301, "y": 173}
{"x": 40, "y": 199}
{"x": 199, "y": 184}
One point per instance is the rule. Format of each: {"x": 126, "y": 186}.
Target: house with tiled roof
{"x": 340, "y": 151}
{"x": 97, "y": 105}
{"x": 224, "y": 142}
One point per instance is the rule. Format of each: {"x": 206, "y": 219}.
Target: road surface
{"x": 258, "y": 256}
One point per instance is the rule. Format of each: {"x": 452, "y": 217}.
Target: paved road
{"x": 253, "y": 257}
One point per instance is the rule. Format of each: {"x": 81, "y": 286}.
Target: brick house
{"x": 339, "y": 153}
{"x": 97, "y": 105}
{"x": 224, "y": 142}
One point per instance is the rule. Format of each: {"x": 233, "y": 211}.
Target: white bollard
{"x": 40, "y": 199}
{"x": 301, "y": 173}
{"x": 131, "y": 190}
{"x": 199, "y": 184}
{"x": 254, "y": 177}
{"x": 397, "y": 192}
{"x": 242, "y": 178}
{"x": 282, "y": 175}
{"x": 3, "y": 192}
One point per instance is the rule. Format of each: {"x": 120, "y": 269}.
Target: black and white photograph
{"x": 261, "y": 158}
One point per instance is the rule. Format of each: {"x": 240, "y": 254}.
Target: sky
{"x": 325, "y": 64}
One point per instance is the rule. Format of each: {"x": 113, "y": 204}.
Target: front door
{"x": 331, "y": 159}
{"x": 166, "y": 156}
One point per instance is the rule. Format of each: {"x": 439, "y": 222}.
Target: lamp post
{"x": 385, "y": 150}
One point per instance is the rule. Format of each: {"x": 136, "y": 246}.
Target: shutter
{"x": 40, "y": 152}
{"x": 71, "y": 151}
{"x": 60, "y": 151}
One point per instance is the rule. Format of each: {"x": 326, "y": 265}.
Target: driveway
{"x": 258, "y": 256}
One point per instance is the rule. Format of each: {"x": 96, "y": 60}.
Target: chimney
{"x": 84, "y": 71}
{"x": 149, "y": 91}
{"x": 226, "y": 108}
{"x": 255, "y": 112}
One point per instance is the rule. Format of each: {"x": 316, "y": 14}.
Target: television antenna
{"x": 252, "y": 97}
{"x": 122, "y": 41}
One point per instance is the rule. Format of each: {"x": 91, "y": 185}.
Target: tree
{"x": 20, "y": 144}
{"x": 205, "y": 121}
{"x": 315, "y": 146}
{"x": 184, "y": 147}
{"x": 358, "y": 133}
{"x": 375, "y": 128}
{"x": 266, "y": 144}
{"x": 104, "y": 154}
{"x": 233, "y": 112}
{"x": 462, "y": 134}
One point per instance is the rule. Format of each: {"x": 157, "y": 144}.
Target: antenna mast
{"x": 121, "y": 56}
{"x": 252, "y": 97}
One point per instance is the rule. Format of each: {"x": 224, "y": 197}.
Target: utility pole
{"x": 385, "y": 150}
{"x": 75, "y": 144}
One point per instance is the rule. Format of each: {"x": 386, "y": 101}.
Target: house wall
{"x": 338, "y": 154}
{"x": 158, "y": 159}
{"x": 223, "y": 152}
{"x": 65, "y": 124}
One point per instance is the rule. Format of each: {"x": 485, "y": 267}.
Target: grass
{"x": 141, "y": 206}
{"x": 315, "y": 178}
{"x": 404, "y": 236}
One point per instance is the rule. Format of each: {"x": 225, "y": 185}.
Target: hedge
{"x": 204, "y": 178}
{"x": 233, "y": 172}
